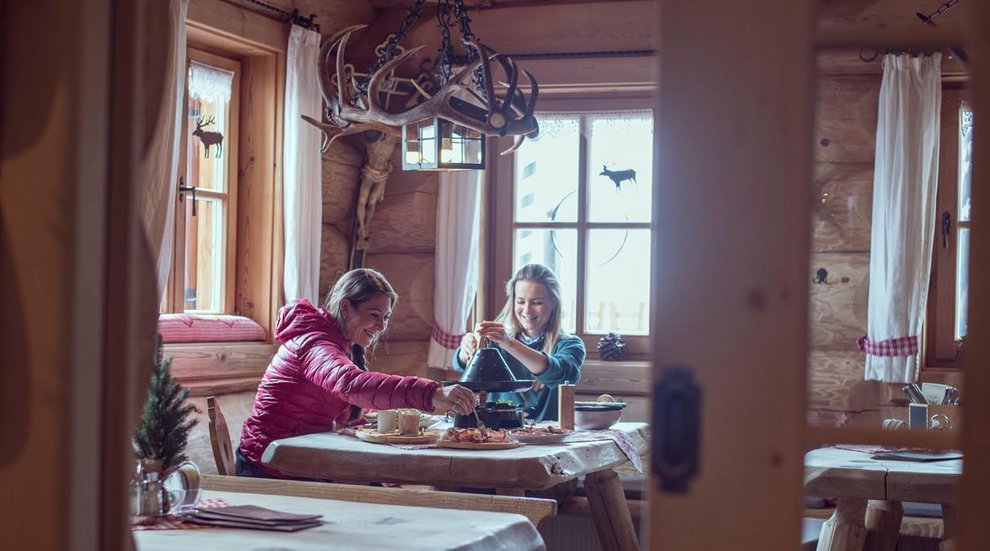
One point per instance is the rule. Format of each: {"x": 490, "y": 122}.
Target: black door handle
{"x": 677, "y": 420}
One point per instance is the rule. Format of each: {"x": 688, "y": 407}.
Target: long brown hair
{"x": 534, "y": 273}
{"x": 357, "y": 287}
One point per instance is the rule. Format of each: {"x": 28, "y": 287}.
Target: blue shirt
{"x": 563, "y": 365}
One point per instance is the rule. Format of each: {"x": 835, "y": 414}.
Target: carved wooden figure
{"x": 374, "y": 176}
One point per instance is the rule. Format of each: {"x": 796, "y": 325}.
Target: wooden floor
{"x": 574, "y": 530}
{"x": 917, "y": 533}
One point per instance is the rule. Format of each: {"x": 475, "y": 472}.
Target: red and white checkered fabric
{"x": 445, "y": 339}
{"x": 901, "y": 346}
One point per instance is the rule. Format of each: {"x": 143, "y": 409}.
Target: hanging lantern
{"x": 439, "y": 144}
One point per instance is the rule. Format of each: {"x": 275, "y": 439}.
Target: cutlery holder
{"x": 934, "y": 416}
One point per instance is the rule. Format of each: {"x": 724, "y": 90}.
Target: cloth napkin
{"x": 175, "y": 522}
{"x": 620, "y": 439}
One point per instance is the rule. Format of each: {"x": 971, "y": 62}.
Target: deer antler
{"x": 351, "y": 110}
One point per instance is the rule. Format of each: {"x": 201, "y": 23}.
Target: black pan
{"x": 493, "y": 386}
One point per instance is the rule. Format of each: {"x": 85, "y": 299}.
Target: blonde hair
{"x": 357, "y": 287}
{"x": 534, "y": 273}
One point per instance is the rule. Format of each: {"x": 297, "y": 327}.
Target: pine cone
{"x": 611, "y": 347}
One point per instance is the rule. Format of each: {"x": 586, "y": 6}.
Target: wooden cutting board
{"x": 479, "y": 445}
{"x": 376, "y": 437}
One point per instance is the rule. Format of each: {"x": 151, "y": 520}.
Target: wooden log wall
{"x": 845, "y": 136}
{"x": 842, "y": 194}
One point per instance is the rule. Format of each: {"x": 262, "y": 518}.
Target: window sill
{"x": 943, "y": 375}
{"x": 219, "y": 367}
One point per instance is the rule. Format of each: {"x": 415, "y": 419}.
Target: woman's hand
{"x": 454, "y": 397}
{"x": 494, "y": 331}
{"x": 469, "y": 345}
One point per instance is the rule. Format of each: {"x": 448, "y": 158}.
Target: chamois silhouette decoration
{"x": 208, "y": 138}
{"x": 618, "y": 176}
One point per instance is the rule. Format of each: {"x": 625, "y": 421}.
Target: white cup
{"x": 409, "y": 422}
{"x": 388, "y": 421}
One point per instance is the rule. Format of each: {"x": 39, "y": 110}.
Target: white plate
{"x": 540, "y": 438}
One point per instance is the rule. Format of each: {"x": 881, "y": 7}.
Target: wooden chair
{"x": 223, "y": 450}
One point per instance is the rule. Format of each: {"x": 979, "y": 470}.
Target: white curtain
{"x": 904, "y": 185}
{"x": 456, "y": 261}
{"x": 302, "y": 182}
{"x": 159, "y": 171}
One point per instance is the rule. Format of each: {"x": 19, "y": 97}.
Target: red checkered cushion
{"x": 182, "y": 328}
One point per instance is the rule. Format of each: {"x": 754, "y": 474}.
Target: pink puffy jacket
{"x": 311, "y": 383}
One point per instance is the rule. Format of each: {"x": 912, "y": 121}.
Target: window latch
{"x": 183, "y": 188}
{"x": 946, "y": 228}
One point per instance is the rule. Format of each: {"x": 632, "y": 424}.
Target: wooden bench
{"x": 536, "y": 510}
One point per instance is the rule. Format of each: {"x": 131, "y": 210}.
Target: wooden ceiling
{"x": 483, "y": 4}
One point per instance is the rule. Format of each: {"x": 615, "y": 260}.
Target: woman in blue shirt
{"x": 528, "y": 333}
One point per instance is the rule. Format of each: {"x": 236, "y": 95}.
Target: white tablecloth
{"x": 357, "y": 526}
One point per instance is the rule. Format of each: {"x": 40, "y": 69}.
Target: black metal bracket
{"x": 677, "y": 421}
{"x": 946, "y": 228}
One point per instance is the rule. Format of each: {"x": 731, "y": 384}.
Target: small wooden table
{"x": 870, "y": 491}
{"x": 357, "y": 526}
{"x": 529, "y": 467}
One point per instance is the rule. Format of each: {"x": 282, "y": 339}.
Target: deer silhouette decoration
{"x": 618, "y": 176}
{"x": 208, "y": 138}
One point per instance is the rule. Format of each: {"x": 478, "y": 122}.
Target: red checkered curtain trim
{"x": 445, "y": 340}
{"x": 901, "y": 346}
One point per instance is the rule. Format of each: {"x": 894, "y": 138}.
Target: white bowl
{"x": 593, "y": 417}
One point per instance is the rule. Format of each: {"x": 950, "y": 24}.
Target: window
{"x": 578, "y": 199}
{"x": 206, "y": 219}
{"x": 947, "y": 309}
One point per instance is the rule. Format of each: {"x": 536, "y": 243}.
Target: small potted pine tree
{"x": 163, "y": 431}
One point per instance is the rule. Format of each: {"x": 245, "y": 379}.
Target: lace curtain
{"x": 210, "y": 83}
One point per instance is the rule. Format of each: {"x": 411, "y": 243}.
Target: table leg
{"x": 883, "y": 525}
{"x": 610, "y": 511}
{"x": 846, "y": 530}
{"x": 949, "y": 527}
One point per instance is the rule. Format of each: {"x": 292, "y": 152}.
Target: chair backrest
{"x": 223, "y": 450}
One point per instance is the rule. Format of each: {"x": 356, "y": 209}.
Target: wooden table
{"x": 357, "y": 526}
{"x": 512, "y": 471}
{"x": 870, "y": 491}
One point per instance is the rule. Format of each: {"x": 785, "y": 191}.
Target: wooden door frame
{"x": 731, "y": 251}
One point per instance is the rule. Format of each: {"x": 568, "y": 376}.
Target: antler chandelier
{"x": 449, "y": 113}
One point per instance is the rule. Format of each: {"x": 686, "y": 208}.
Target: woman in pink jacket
{"x": 317, "y": 380}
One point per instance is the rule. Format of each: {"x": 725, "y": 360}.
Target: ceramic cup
{"x": 408, "y": 422}
{"x": 388, "y": 421}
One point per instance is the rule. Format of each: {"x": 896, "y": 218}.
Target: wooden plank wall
{"x": 842, "y": 195}
{"x": 842, "y": 192}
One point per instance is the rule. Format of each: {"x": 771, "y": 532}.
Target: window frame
{"x": 498, "y": 263}
{"x": 942, "y": 351}
{"x": 175, "y": 292}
